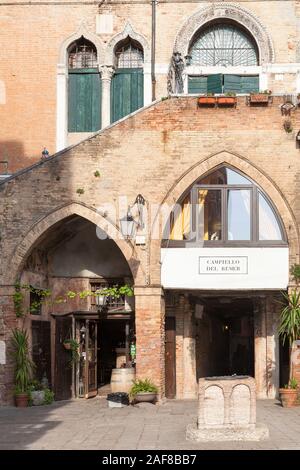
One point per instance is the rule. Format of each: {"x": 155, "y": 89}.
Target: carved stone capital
{"x": 107, "y": 72}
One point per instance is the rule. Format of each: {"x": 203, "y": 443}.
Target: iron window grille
{"x": 112, "y": 303}
{"x": 82, "y": 55}
{"x": 223, "y": 45}
{"x": 129, "y": 56}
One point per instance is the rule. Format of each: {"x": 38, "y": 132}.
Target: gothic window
{"x": 226, "y": 208}
{"x": 84, "y": 87}
{"x": 82, "y": 54}
{"x": 223, "y": 44}
{"x": 127, "y": 90}
{"x": 129, "y": 55}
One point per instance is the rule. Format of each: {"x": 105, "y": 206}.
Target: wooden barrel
{"x": 122, "y": 379}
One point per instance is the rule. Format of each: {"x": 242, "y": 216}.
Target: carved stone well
{"x": 227, "y": 411}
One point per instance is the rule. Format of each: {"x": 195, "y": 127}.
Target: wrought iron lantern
{"x": 101, "y": 302}
{"x": 128, "y": 225}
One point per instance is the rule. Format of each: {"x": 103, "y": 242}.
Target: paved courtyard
{"x": 90, "y": 424}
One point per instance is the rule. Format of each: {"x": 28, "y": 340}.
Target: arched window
{"x": 129, "y": 54}
{"x": 226, "y": 208}
{"x": 84, "y": 87}
{"x": 127, "y": 91}
{"x": 222, "y": 45}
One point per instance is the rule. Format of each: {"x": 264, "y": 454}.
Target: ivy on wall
{"x": 45, "y": 296}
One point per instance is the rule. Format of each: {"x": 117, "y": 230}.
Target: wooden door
{"x": 170, "y": 357}
{"x": 41, "y": 349}
{"x": 63, "y": 367}
{"x": 91, "y": 359}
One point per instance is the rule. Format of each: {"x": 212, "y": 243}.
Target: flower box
{"x": 259, "y": 98}
{"x": 206, "y": 101}
{"x": 226, "y": 101}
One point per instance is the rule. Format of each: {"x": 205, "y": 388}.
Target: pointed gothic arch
{"x": 34, "y": 234}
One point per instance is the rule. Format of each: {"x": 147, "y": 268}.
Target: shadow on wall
{"x": 12, "y": 156}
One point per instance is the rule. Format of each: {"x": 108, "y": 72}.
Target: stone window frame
{"x": 240, "y": 16}
{"x": 62, "y": 81}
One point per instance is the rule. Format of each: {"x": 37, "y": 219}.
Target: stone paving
{"x": 90, "y": 424}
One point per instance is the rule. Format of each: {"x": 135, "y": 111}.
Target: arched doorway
{"x": 223, "y": 246}
{"x": 127, "y": 87}
{"x": 73, "y": 261}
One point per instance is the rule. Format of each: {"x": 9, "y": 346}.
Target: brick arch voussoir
{"x": 259, "y": 176}
{"x": 33, "y": 235}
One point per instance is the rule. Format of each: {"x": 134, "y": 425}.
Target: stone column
{"x": 150, "y": 335}
{"x": 260, "y": 347}
{"x": 107, "y": 72}
{"x": 272, "y": 372}
{"x": 189, "y": 353}
{"x": 8, "y": 321}
{"x": 62, "y": 108}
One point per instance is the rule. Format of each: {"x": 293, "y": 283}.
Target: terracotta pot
{"x": 259, "y": 98}
{"x": 67, "y": 346}
{"x": 22, "y": 400}
{"x": 288, "y": 397}
{"x": 206, "y": 101}
{"x": 145, "y": 397}
{"x": 226, "y": 100}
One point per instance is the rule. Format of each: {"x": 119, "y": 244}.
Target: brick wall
{"x": 31, "y": 36}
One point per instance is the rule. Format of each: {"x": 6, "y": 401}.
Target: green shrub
{"x": 49, "y": 396}
{"x": 140, "y": 386}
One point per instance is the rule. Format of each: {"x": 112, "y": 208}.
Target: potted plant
{"x": 229, "y": 99}
{"x": 73, "y": 346}
{"x": 207, "y": 100}
{"x": 23, "y": 366}
{"x": 289, "y": 394}
{"x": 289, "y": 330}
{"x": 143, "y": 391}
{"x": 260, "y": 97}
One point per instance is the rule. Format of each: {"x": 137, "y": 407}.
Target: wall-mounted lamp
{"x": 128, "y": 224}
{"x": 101, "y": 302}
{"x": 298, "y": 136}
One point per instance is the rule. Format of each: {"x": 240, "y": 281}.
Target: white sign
{"x": 223, "y": 265}
{"x": 2, "y": 353}
{"x": 181, "y": 268}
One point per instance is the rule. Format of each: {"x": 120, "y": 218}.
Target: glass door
{"x": 86, "y": 374}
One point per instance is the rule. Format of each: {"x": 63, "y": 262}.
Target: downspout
{"x": 153, "y": 37}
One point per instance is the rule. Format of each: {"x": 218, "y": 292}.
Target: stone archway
{"x": 33, "y": 236}
{"x": 252, "y": 171}
{"x": 232, "y": 12}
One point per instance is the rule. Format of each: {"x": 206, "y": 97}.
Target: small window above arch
{"x": 129, "y": 54}
{"x": 82, "y": 54}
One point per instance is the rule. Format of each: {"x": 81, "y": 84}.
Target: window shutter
{"x": 197, "y": 85}
{"x": 250, "y": 83}
{"x": 215, "y": 83}
{"x": 84, "y": 100}
{"x": 127, "y": 92}
{"x": 232, "y": 83}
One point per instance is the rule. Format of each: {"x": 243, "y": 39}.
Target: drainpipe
{"x": 153, "y": 48}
